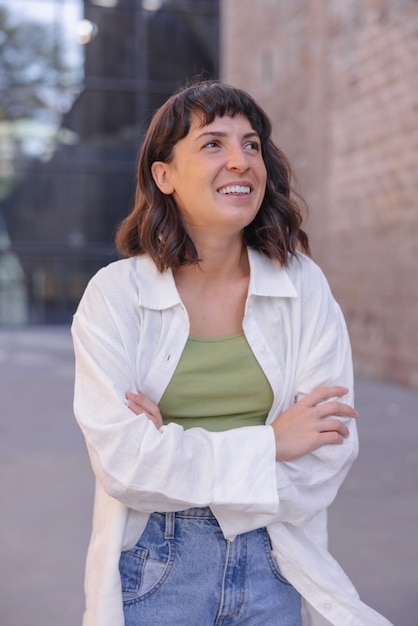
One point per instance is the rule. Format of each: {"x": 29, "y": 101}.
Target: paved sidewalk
{"x": 46, "y": 490}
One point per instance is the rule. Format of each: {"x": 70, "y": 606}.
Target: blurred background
{"x": 79, "y": 81}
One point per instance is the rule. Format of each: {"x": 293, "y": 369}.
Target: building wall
{"x": 339, "y": 79}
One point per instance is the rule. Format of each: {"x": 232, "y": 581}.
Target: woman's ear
{"x": 160, "y": 174}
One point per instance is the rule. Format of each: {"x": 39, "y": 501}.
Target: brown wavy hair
{"x": 155, "y": 225}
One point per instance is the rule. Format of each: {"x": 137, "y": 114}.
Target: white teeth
{"x": 235, "y": 189}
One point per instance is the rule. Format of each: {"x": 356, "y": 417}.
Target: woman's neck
{"x": 215, "y": 291}
{"x": 219, "y": 263}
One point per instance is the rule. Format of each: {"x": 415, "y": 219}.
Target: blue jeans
{"x": 182, "y": 572}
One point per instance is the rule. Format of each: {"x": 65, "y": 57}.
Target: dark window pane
{"x": 78, "y": 84}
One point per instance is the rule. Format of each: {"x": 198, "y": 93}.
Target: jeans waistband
{"x": 204, "y": 512}
{"x": 195, "y": 513}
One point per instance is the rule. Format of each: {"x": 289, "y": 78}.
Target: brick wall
{"x": 339, "y": 79}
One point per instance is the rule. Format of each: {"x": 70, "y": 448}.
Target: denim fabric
{"x": 183, "y": 572}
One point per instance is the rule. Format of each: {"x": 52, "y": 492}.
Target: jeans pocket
{"x": 131, "y": 566}
{"x": 272, "y": 560}
{"x": 144, "y": 567}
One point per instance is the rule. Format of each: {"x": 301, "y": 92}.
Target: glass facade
{"x": 79, "y": 81}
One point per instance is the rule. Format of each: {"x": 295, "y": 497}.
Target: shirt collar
{"x": 269, "y": 278}
{"x": 158, "y": 290}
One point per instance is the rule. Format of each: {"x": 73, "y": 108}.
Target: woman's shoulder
{"x": 301, "y": 262}
{"x": 303, "y": 268}
{"x": 309, "y": 279}
{"x": 119, "y": 280}
{"x": 125, "y": 271}
{"x": 298, "y": 265}
{"x": 135, "y": 280}
{"x": 116, "y": 289}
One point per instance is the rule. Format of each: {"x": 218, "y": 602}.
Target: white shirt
{"x": 129, "y": 332}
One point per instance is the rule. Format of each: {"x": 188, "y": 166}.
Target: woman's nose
{"x": 237, "y": 159}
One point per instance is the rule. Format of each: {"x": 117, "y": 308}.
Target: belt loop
{"x": 169, "y": 526}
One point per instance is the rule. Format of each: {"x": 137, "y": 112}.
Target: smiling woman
{"x": 228, "y": 125}
{"x": 214, "y": 388}
{"x": 217, "y": 179}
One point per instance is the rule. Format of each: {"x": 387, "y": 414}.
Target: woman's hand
{"x": 303, "y": 428}
{"x": 140, "y": 403}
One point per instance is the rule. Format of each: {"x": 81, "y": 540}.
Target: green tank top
{"x": 218, "y": 384}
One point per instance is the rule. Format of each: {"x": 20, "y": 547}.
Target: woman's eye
{"x": 253, "y": 145}
{"x": 211, "y": 144}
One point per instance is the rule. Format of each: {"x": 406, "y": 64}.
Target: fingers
{"x": 134, "y": 404}
{"x": 332, "y": 431}
{"x": 319, "y": 399}
{"x": 327, "y": 409}
{"x": 331, "y": 438}
{"x": 334, "y": 426}
{"x": 316, "y": 420}
{"x": 321, "y": 394}
{"x": 140, "y": 403}
{"x": 141, "y": 400}
{"x": 156, "y": 421}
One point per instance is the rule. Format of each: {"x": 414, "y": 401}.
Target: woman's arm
{"x": 313, "y": 422}
{"x": 308, "y": 483}
{"x": 306, "y": 426}
{"x": 312, "y": 481}
{"x": 159, "y": 470}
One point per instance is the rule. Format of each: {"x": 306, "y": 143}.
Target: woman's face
{"x": 217, "y": 175}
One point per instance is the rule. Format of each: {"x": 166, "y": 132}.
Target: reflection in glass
{"x": 79, "y": 81}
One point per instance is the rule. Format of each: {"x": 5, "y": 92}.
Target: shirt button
{"x": 328, "y": 606}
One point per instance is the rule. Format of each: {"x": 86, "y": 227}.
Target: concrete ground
{"x": 46, "y": 490}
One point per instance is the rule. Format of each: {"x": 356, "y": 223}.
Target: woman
{"x": 214, "y": 389}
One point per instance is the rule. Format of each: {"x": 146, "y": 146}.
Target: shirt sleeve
{"x": 159, "y": 470}
{"x": 309, "y": 484}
